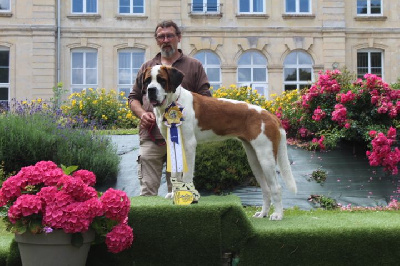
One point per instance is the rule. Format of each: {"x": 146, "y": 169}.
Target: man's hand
{"x": 147, "y": 120}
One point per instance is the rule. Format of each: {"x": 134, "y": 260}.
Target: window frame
{"x": 297, "y": 8}
{"x": 369, "y": 51}
{"x": 124, "y": 86}
{"x": 369, "y": 14}
{"x": 7, "y": 84}
{"x": 251, "y": 8}
{"x": 299, "y": 83}
{"x": 78, "y": 87}
{"x": 251, "y": 83}
{"x": 84, "y": 7}
{"x": 131, "y": 8}
{"x": 205, "y": 6}
{"x": 9, "y": 8}
{"x": 213, "y": 83}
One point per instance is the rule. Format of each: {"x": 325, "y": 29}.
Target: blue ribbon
{"x": 174, "y": 134}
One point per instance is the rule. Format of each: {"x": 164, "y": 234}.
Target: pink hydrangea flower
{"x": 116, "y": 204}
{"x": 120, "y": 238}
{"x": 25, "y": 205}
{"x": 66, "y": 202}
{"x": 87, "y": 177}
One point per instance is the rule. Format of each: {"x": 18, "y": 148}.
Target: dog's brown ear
{"x": 175, "y": 78}
{"x": 145, "y": 75}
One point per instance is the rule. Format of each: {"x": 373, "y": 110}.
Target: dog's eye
{"x": 161, "y": 81}
{"x": 146, "y": 82}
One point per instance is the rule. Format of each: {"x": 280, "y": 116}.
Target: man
{"x": 152, "y": 150}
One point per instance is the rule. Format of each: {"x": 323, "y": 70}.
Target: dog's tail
{"x": 284, "y": 164}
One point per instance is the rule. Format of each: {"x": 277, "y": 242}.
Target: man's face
{"x": 168, "y": 41}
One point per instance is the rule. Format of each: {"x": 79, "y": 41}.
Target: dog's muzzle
{"x": 152, "y": 96}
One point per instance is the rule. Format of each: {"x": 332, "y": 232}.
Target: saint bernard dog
{"x": 214, "y": 119}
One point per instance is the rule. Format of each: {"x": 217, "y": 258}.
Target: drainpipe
{"x": 58, "y": 40}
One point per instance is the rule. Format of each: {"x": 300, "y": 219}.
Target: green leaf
{"x": 35, "y": 226}
{"x": 77, "y": 240}
{"x": 18, "y": 227}
{"x": 68, "y": 169}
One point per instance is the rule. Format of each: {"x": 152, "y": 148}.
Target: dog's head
{"x": 161, "y": 83}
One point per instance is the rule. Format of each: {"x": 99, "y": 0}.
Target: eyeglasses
{"x": 168, "y": 36}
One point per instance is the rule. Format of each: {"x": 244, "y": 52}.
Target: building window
{"x": 84, "y": 6}
{"x": 369, "y": 61}
{"x": 298, "y": 6}
{"x": 251, "y": 6}
{"x": 252, "y": 71}
{"x": 129, "y": 62}
{"x": 5, "y": 5}
{"x": 212, "y": 66}
{"x": 4, "y": 76}
{"x": 369, "y": 7}
{"x": 297, "y": 70}
{"x": 205, "y": 6}
{"x": 131, "y": 6}
{"x": 84, "y": 69}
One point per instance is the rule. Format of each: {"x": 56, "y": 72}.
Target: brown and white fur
{"x": 214, "y": 119}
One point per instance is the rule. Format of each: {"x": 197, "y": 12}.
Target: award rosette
{"x": 176, "y": 159}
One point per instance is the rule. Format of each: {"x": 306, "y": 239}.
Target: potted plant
{"x": 44, "y": 201}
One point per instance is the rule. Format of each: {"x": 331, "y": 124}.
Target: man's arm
{"x": 147, "y": 119}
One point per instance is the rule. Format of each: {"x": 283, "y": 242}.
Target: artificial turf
{"x": 200, "y": 233}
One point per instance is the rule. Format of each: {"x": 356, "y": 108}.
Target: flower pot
{"x": 53, "y": 249}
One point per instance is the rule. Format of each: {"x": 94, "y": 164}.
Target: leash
{"x": 162, "y": 143}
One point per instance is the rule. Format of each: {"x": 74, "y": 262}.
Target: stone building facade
{"x": 271, "y": 45}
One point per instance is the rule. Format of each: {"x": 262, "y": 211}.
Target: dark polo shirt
{"x": 195, "y": 80}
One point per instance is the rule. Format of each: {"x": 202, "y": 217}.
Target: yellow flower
{"x": 104, "y": 117}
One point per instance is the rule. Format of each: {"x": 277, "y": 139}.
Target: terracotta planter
{"x": 53, "y": 249}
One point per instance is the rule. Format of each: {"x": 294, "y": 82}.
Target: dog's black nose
{"x": 152, "y": 92}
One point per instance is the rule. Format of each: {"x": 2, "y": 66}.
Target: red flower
{"x": 25, "y": 205}
{"x": 65, "y": 202}
{"x": 319, "y": 114}
{"x": 339, "y": 114}
{"x": 116, "y": 204}
{"x": 120, "y": 238}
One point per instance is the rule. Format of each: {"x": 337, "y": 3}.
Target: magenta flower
{"x": 319, "y": 114}
{"x": 65, "y": 202}
{"x": 116, "y": 204}
{"x": 120, "y": 238}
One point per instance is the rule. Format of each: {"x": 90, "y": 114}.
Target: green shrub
{"x": 100, "y": 109}
{"x": 246, "y": 94}
{"x": 220, "y": 166}
{"x": 28, "y": 138}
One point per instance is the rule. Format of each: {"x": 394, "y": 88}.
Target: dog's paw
{"x": 169, "y": 195}
{"x": 276, "y": 216}
{"x": 260, "y": 215}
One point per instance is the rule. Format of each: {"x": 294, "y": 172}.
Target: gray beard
{"x": 167, "y": 54}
